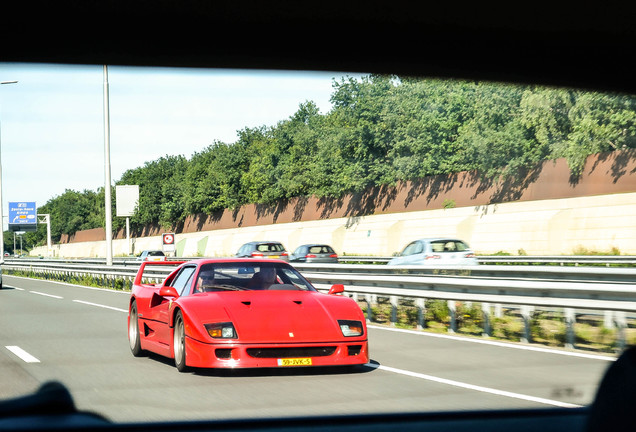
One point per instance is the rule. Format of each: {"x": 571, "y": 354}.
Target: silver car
{"x": 152, "y": 255}
{"x": 263, "y": 249}
{"x": 436, "y": 251}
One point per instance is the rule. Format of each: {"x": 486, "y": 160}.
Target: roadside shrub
{"x": 507, "y": 327}
{"x": 437, "y": 310}
{"x": 449, "y": 204}
{"x": 470, "y": 318}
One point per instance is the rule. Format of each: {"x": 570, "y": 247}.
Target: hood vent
{"x": 247, "y": 303}
{"x": 298, "y": 302}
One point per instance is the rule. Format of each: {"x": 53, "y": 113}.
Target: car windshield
{"x": 413, "y": 248}
{"x": 248, "y": 276}
{"x": 320, "y": 249}
{"x": 270, "y": 247}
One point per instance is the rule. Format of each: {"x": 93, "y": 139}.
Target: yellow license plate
{"x": 274, "y": 256}
{"x": 294, "y": 362}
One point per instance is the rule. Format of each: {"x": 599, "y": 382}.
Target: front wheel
{"x": 133, "y": 331}
{"x": 178, "y": 344}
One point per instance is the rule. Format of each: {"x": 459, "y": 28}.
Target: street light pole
{"x": 107, "y": 198}
{"x": 1, "y": 214}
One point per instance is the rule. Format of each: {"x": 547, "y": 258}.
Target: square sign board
{"x": 23, "y": 216}
{"x": 126, "y": 200}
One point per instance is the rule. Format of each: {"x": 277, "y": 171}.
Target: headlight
{"x": 221, "y": 330}
{"x": 351, "y": 328}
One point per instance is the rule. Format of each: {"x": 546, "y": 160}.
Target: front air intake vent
{"x": 223, "y": 353}
{"x": 291, "y": 352}
{"x": 354, "y": 350}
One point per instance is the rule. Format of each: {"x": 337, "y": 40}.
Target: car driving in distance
{"x": 152, "y": 255}
{"x": 263, "y": 249}
{"x": 314, "y": 253}
{"x": 435, "y": 251}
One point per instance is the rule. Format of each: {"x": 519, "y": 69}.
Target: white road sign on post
{"x": 168, "y": 242}
{"x": 126, "y": 201}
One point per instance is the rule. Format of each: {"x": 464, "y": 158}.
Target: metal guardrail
{"x": 590, "y": 294}
{"x": 576, "y": 260}
{"x": 606, "y": 260}
{"x": 68, "y": 269}
{"x": 490, "y": 272}
{"x": 489, "y": 285}
{"x": 577, "y": 295}
{"x": 127, "y": 267}
{"x": 561, "y": 260}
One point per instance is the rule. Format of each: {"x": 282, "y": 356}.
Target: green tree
{"x": 426, "y": 117}
{"x": 495, "y": 140}
{"x": 381, "y": 130}
{"x": 214, "y": 178}
{"x": 161, "y": 191}
{"x": 600, "y": 123}
{"x": 296, "y": 141}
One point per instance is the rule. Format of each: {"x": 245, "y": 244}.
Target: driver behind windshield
{"x": 205, "y": 281}
{"x": 263, "y": 279}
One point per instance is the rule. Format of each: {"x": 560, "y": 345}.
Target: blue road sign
{"x": 22, "y": 216}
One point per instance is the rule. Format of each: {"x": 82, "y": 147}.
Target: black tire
{"x": 134, "y": 337}
{"x": 178, "y": 343}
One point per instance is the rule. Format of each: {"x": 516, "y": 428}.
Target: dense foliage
{"x": 380, "y": 130}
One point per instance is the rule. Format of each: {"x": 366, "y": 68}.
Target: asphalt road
{"x": 77, "y": 335}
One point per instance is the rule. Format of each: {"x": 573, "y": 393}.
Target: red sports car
{"x": 244, "y": 313}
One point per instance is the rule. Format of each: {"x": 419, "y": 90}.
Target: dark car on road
{"x": 263, "y": 249}
{"x": 314, "y": 253}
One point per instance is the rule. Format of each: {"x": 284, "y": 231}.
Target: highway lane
{"x": 78, "y": 336}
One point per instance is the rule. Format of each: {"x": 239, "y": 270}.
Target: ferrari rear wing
{"x": 142, "y": 267}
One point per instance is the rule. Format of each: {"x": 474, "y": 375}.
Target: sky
{"x": 52, "y": 133}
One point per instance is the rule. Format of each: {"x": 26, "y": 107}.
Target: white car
{"x": 436, "y": 251}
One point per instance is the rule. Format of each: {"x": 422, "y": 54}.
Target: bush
{"x": 470, "y": 318}
{"x": 449, "y": 204}
{"x": 437, "y": 310}
{"x": 582, "y": 250}
{"x": 507, "y": 327}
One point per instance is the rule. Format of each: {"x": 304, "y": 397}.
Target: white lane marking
{"x": 71, "y": 285}
{"x": 499, "y": 344}
{"x": 46, "y": 295}
{"x": 101, "y": 306}
{"x": 25, "y": 356}
{"x": 475, "y": 387}
{"x": 81, "y": 301}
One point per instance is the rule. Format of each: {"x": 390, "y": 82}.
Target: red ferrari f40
{"x": 244, "y": 313}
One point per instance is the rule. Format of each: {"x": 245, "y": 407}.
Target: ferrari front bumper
{"x": 236, "y": 355}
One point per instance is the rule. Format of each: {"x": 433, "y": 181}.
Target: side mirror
{"x": 168, "y": 291}
{"x": 336, "y": 288}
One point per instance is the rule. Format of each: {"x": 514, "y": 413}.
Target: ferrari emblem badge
{"x": 291, "y": 334}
